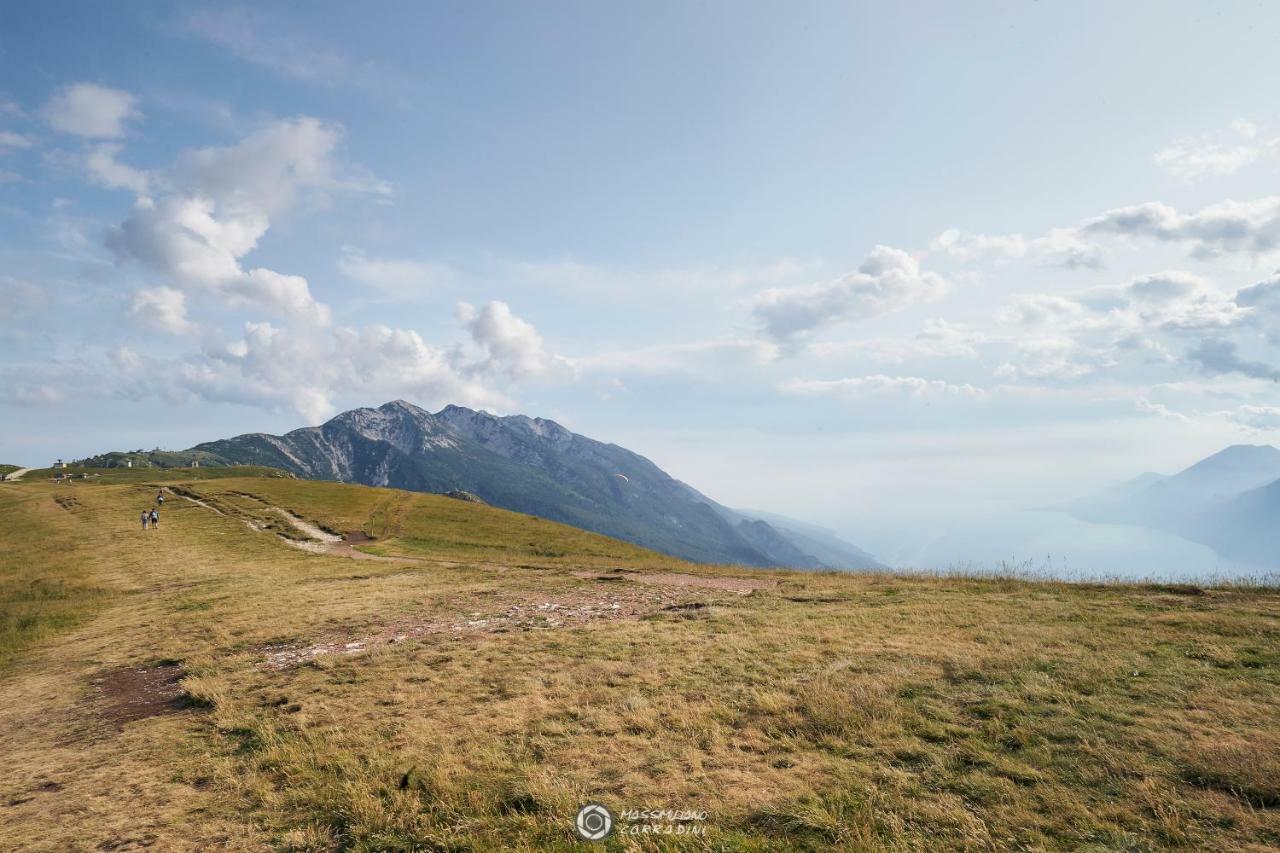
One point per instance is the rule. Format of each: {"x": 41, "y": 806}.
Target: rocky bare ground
{"x": 659, "y": 594}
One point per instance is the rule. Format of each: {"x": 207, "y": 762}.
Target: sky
{"x": 867, "y": 264}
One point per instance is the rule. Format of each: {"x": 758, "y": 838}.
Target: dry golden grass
{"x": 821, "y": 710}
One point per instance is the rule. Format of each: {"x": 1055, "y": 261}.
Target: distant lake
{"x": 1054, "y": 544}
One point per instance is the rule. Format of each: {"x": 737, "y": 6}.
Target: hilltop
{"x": 303, "y": 665}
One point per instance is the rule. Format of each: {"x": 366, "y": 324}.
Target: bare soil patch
{"x": 546, "y": 612}
{"x": 137, "y": 692}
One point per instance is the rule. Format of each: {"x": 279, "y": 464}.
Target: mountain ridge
{"x": 1229, "y": 501}
{"x": 528, "y": 464}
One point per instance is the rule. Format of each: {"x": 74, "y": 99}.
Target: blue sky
{"x": 860, "y": 262}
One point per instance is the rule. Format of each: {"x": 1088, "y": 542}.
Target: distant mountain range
{"x": 1229, "y": 501}
{"x": 530, "y": 465}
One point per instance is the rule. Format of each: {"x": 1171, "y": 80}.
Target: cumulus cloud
{"x": 1077, "y": 334}
{"x": 1251, "y": 227}
{"x": 1035, "y": 309}
{"x": 163, "y": 309}
{"x": 214, "y": 209}
{"x": 880, "y": 385}
{"x": 91, "y": 111}
{"x": 1217, "y": 355}
{"x": 307, "y": 369}
{"x": 889, "y": 280}
{"x": 511, "y": 345}
{"x": 303, "y": 368}
{"x": 1224, "y": 228}
{"x": 267, "y": 170}
{"x": 1163, "y": 288}
{"x": 222, "y": 205}
{"x": 400, "y": 278}
{"x": 1052, "y": 357}
{"x": 1263, "y": 299}
{"x": 1064, "y": 247}
{"x": 106, "y": 171}
{"x": 1191, "y": 158}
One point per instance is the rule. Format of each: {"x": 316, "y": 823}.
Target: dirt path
{"x": 318, "y": 541}
{"x": 15, "y": 475}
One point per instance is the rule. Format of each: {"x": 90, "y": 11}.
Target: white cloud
{"x": 1178, "y": 300}
{"x": 105, "y": 170}
{"x": 266, "y": 171}
{"x": 400, "y": 278}
{"x": 1259, "y": 418}
{"x": 163, "y": 309}
{"x": 9, "y": 139}
{"x": 214, "y": 209}
{"x": 91, "y": 111}
{"x": 889, "y": 280}
{"x": 1191, "y": 158}
{"x": 1164, "y": 288}
{"x": 1251, "y": 227}
{"x": 860, "y": 387}
{"x": 1034, "y": 309}
{"x": 196, "y": 235}
{"x": 306, "y": 370}
{"x": 1052, "y": 357}
{"x": 1142, "y": 404}
{"x": 1218, "y": 355}
{"x": 512, "y": 346}
{"x": 1263, "y": 300}
{"x": 1078, "y": 334}
{"x": 309, "y": 369}
{"x": 1063, "y": 247}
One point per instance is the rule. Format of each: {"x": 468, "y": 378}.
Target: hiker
{"x": 155, "y": 519}
{"x": 160, "y": 498}
{"x": 144, "y": 519}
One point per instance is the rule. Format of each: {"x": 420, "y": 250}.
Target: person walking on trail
{"x": 155, "y": 519}
{"x": 160, "y": 498}
{"x": 144, "y": 519}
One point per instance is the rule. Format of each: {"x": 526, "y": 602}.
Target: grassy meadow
{"x": 457, "y": 677}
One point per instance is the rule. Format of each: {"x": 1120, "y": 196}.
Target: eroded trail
{"x": 316, "y": 540}
{"x": 13, "y": 476}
